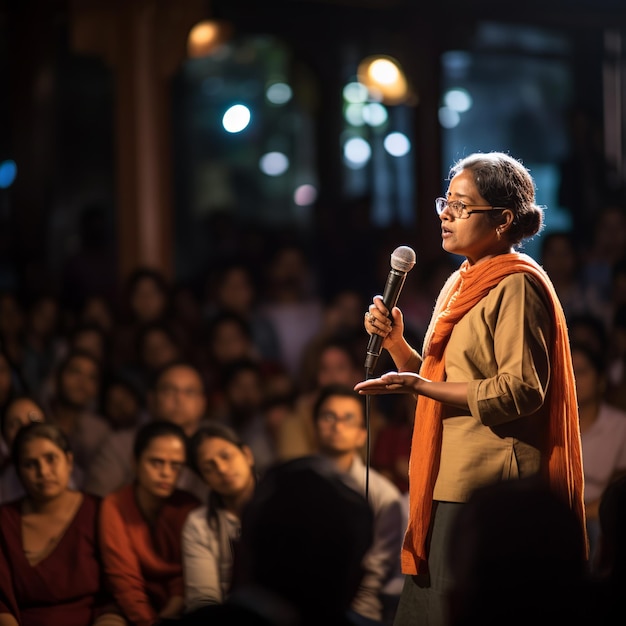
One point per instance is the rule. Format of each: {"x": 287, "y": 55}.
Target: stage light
{"x": 207, "y": 37}
{"x": 384, "y": 79}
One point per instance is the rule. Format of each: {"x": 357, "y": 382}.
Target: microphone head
{"x": 403, "y": 259}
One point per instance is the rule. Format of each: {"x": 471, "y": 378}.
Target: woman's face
{"x": 44, "y": 469}
{"x": 159, "y": 466}
{"x": 475, "y": 237}
{"x": 21, "y": 412}
{"x": 225, "y": 467}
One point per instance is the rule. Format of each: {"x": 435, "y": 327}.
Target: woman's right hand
{"x": 377, "y": 322}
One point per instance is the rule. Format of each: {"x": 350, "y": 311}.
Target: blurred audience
{"x": 177, "y": 395}
{"x": 42, "y": 340}
{"x": 73, "y": 406}
{"x": 11, "y": 384}
{"x": 19, "y": 411}
{"x": 97, "y": 309}
{"x": 233, "y": 287}
{"x": 146, "y": 298}
{"x": 157, "y": 344}
{"x": 609, "y": 566}
{"x": 606, "y": 247}
{"x": 560, "y": 256}
{"x": 229, "y": 340}
{"x": 123, "y": 403}
{"x": 337, "y": 363}
{"x": 343, "y": 318}
{"x": 616, "y": 391}
{"x": 292, "y": 301}
{"x": 89, "y": 337}
{"x": 603, "y": 432}
{"x": 244, "y": 410}
{"x": 12, "y": 327}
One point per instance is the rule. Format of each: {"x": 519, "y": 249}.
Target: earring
{"x": 498, "y": 233}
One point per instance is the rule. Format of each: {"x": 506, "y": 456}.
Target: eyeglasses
{"x": 459, "y": 209}
{"x": 330, "y": 417}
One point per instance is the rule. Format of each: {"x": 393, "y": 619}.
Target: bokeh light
{"x": 397, "y": 144}
{"x": 236, "y": 118}
{"x": 8, "y": 172}
{"x": 274, "y": 163}
{"x": 305, "y": 195}
{"x": 356, "y": 152}
{"x": 279, "y": 93}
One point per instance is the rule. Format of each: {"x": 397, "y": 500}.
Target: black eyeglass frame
{"x": 459, "y": 209}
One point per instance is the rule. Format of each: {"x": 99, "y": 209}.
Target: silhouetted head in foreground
{"x": 515, "y": 544}
{"x": 304, "y": 535}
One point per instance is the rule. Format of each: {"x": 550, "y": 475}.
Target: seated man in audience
{"x": 177, "y": 395}
{"x": 339, "y": 417}
{"x": 304, "y": 535}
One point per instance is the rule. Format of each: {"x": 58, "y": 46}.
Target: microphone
{"x": 402, "y": 261}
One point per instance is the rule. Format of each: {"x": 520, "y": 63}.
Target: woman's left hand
{"x": 391, "y": 382}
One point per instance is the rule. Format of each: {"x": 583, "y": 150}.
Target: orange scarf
{"x": 561, "y": 461}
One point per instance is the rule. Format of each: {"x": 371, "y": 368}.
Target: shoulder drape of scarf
{"x": 562, "y": 460}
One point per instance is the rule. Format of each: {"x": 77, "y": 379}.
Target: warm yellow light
{"x": 384, "y": 72}
{"x": 384, "y": 79}
{"x": 206, "y": 37}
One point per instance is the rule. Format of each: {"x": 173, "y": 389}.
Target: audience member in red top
{"x": 141, "y": 526}
{"x": 50, "y": 566}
